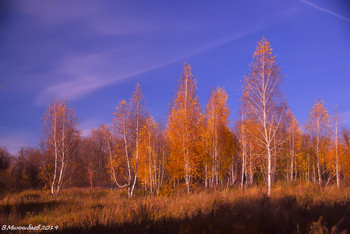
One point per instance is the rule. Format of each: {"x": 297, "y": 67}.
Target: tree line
{"x": 195, "y": 147}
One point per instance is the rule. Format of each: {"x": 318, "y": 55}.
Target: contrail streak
{"x": 325, "y": 10}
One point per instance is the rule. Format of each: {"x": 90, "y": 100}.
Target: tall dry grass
{"x": 290, "y": 209}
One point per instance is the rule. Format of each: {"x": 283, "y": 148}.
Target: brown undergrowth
{"x": 290, "y": 209}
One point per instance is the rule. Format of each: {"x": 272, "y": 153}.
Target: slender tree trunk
{"x": 319, "y": 172}
{"x": 127, "y": 159}
{"x": 314, "y": 171}
{"x": 268, "y": 171}
{"x": 292, "y": 158}
{"x": 56, "y": 154}
{"x": 243, "y": 171}
{"x": 206, "y": 173}
{"x": 274, "y": 158}
{"x": 185, "y": 142}
{"x": 63, "y": 149}
{"x": 336, "y": 150}
{"x": 113, "y": 177}
{"x": 243, "y": 164}
{"x": 308, "y": 168}
{"x": 137, "y": 150}
{"x": 318, "y": 155}
{"x": 251, "y": 166}
{"x": 162, "y": 177}
{"x": 187, "y": 175}
{"x": 150, "y": 166}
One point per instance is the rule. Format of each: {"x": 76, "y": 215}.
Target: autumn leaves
{"x": 183, "y": 131}
{"x": 198, "y": 147}
{"x": 201, "y": 147}
{"x": 263, "y": 103}
{"x": 60, "y": 144}
{"x": 201, "y": 144}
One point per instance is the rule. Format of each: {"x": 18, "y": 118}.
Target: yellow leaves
{"x": 137, "y": 99}
{"x": 216, "y": 133}
{"x": 183, "y": 126}
{"x": 60, "y": 141}
{"x": 345, "y": 159}
{"x": 319, "y": 111}
{"x": 59, "y": 118}
{"x": 217, "y": 109}
{"x": 151, "y": 161}
{"x": 263, "y": 48}
{"x": 318, "y": 120}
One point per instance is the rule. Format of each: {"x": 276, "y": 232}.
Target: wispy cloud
{"x": 95, "y": 17}
{"x": 84, "y": 75}
{"x": 103, "y": 44}
{"x": 325, "y": 10}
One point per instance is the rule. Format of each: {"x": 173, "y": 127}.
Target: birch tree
{"x": 319, "y": 129}
{"x": 291, "y": 145}
{"x": 264, "y": 101}
{"x": 148, "y": 163}
{"x": 60, "y": 143}
{"x": 138, "y": 115}
{"x": 117, "y": 139}
{"x": 216, "y": 118}
{"x": 183, "y": 130}
{"x": 124, "y": 146}
{"x": 243, "y": 142}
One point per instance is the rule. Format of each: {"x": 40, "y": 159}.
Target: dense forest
{"x": 195, "y": 147}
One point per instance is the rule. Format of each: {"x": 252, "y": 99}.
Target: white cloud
{"x": 83, "y": 75}
{"x": 95, "y": 16}
{"x": 146, "y": 41}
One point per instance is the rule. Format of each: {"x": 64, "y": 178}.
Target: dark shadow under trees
{"x": 263, "y": 215}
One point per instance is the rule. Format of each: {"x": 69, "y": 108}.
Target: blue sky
{"x": 92, "y": 53}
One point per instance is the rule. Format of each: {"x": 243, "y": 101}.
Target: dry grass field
{"x": 290, "y": 209}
